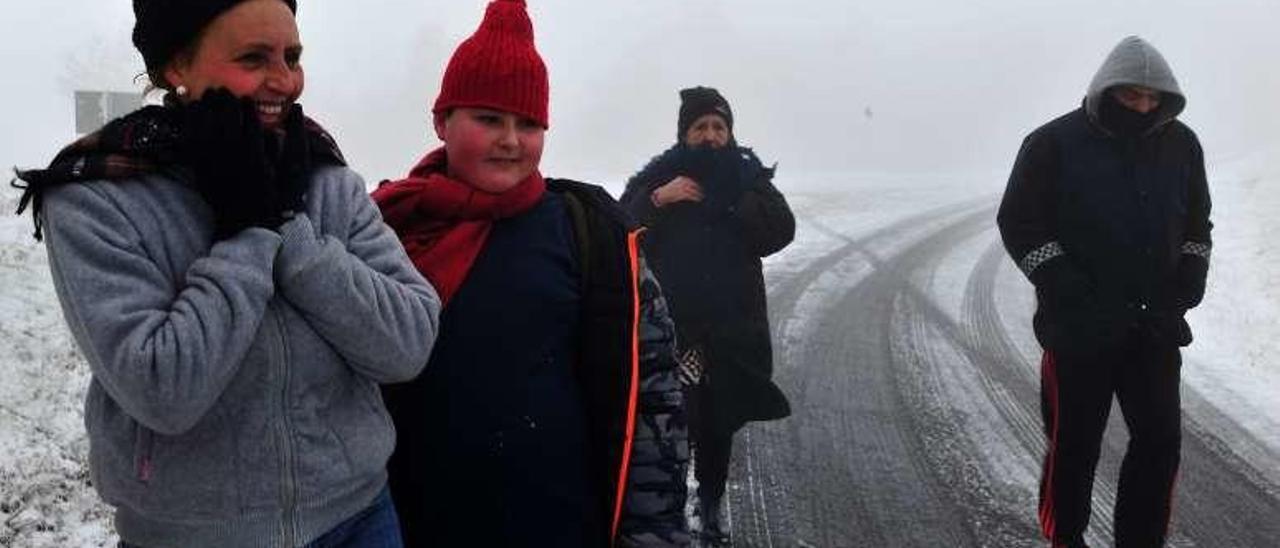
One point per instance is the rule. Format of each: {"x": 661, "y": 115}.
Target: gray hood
{"x": 1136, "y": 62}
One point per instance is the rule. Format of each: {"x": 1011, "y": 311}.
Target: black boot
{"x": 713, "y": 532}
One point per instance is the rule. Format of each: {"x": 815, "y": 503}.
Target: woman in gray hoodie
{"x": 236, "y": 295}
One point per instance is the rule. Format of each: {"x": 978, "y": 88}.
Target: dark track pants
{"x": 1076, "y": 393}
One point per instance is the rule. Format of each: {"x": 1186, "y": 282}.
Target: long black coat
{"x": 707, "y": 257}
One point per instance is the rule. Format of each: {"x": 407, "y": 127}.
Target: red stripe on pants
{"x": 1049, "y": 380}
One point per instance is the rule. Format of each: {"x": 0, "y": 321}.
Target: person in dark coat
{"x": 712, "y": 213}
{"x": 551, "y": 411}
{"x": 1107, "y": 213}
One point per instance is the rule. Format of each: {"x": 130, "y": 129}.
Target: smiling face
{"x": 488, "y": 149}
{"x": 253, "y": 51}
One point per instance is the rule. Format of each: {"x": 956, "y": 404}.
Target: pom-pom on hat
{"x": 498, "y": 67}
{"x": 164, "y": 27}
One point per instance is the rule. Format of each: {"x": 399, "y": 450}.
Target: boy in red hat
{"x": 550, "y": 413}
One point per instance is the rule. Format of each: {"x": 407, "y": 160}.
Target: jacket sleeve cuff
{"x": 1038, "y": 256}
{"x": 1197, "y": 249}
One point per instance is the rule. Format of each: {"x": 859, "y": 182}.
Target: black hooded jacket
{"x": 1112, "y": 227}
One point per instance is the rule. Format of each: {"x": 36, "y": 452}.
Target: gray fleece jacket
{"x": 234, "y": 398}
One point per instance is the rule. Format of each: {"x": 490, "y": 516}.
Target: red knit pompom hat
{"x": 498, "y": 67}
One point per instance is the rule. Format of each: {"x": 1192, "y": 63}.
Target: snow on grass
{"x": 45, "y": 496}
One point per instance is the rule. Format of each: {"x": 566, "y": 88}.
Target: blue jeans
{"x": 374, "y": 527}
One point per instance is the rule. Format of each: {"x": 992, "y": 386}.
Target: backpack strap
{"x": 578, "y": 215}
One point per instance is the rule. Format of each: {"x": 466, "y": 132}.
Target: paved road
{"x": 916, "y": 407}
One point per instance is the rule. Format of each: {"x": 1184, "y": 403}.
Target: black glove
{"x": 1164, "y": 328}
{"x": 1192, "y": 271}
{"x": 295, "y": 164}
{"x": 1071, "y": 308}
{"x": 1061, "y": 286}
{"x": 228, "y": 149}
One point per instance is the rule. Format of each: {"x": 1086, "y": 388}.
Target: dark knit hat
{"x": 164, "y": 27}
{"x": 498, "y": 67}
{"x": 698, "y": 101}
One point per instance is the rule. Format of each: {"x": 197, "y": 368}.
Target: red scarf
{"x": 444, "y": 223}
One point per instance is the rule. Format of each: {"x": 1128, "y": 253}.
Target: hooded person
{"x": 712, "y": 213}
{"x": 551, "y": 412}
{"x": 235, "y": 294}
{"x": 1107, "y": 213}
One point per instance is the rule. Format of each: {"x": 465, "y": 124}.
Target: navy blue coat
{"x": 1114, "y": 231}
{"x": 550, "y": 413}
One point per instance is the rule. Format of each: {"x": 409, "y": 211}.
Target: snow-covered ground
{"x": 45, "y": 496}
{"x": 46, "y": 499}
{"x": 1235, "y": 360}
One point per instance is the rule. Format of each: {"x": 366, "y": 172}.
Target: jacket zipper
{"x": 288, "y": 492}
{"x": 142, "y": 444}
{"x": 633, "y": 386}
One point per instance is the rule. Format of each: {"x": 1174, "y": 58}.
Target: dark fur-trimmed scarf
{"x": 722, "y": 173}
{"x": 144, "y": 141}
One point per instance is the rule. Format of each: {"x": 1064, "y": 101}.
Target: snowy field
{"x": 45, "y": 498}
{"x": 1235, "y": 359}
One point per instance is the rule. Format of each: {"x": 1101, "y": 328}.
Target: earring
{"x": 181, "y": 91}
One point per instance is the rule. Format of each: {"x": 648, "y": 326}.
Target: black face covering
{"x": 1122, "y": 120}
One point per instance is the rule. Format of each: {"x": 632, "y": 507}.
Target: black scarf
{"x": 724, "y": 173}
{"x": 1124, "y": 121}
{"x": 142, "y": 142}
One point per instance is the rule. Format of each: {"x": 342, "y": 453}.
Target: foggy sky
{"x": 951, "y": 86}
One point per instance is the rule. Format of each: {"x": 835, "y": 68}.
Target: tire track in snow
{"x": 774, "y": 509}
{"x": 812, "y": 448}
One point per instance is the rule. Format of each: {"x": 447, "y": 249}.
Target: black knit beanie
{"x": 698, "y": 101}
{"x": 164, "y": 27}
